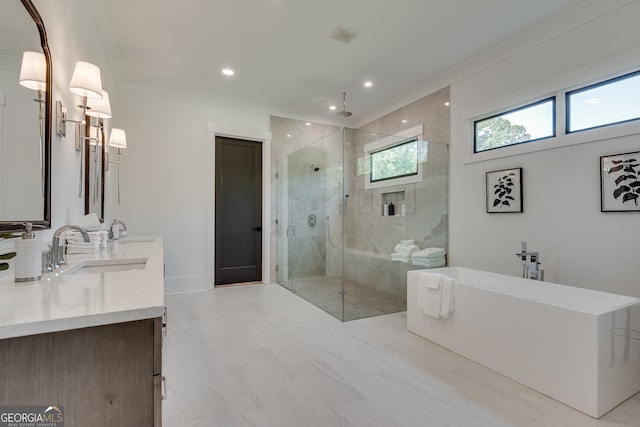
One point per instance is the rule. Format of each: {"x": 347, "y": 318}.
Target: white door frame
{"x": 248, "y": 134}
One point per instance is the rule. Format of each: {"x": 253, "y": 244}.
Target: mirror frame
{"x": 46, "y": 164}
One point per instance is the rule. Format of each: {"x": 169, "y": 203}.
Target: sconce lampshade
{"x": 100, "y": 108}
{"x": 118, "y": 138}
{"x": 33, "y": 71}
{"x": 86, "y": 80}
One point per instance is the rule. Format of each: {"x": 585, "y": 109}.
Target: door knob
{"x": 257, "y": 228}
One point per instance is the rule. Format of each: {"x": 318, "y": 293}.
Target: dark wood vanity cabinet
{"x": 107, "y": 375}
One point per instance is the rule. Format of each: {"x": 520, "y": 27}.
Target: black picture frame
{"x": 504, "y": 191}
{"x": 620, "y": 182}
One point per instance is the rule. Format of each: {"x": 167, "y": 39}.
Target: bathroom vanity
{"x": 89, "y": 338}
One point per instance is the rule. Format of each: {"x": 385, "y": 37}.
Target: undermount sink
{"x": 108, "y": 265}
{"x": 135, "y": 240}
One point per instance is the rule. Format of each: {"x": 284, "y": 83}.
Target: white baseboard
{"x": 174, "y": 285}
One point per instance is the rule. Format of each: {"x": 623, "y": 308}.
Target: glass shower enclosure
{"x": 333, "y": 243}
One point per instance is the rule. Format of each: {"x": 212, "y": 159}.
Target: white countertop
{"x": 60, "y": 301}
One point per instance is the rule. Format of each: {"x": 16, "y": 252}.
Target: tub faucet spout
{"x": 530, "y": 264}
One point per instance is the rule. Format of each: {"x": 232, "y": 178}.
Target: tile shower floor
{"x": 359, "y": 300}
{"x": 260, "y": 356}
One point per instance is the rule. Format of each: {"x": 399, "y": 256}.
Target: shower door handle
{"x": 257, "y": 228}
{"x": 291, "y": 231}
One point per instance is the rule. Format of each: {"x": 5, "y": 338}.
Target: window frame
{"x": 557, "y": 86}
{"x": 554, "y": 112}
{"x": 415, "y": 132}
{"x": 391, "y": 147}
{"x": 581, "y": 89}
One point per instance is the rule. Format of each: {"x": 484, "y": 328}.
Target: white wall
{"x": 167, "y": 177}
{"x": 578, "y": 244}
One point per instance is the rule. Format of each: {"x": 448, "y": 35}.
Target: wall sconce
{"x": 85, "y": 82}
{"x": 33, "y": 73}
{"x": 118, "y": 139}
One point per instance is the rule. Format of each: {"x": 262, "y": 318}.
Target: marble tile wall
{"x": 426, "y": 219}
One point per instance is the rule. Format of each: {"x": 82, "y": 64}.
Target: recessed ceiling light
{"x": 332, "y": 107}
{"x": 368, "y": 84}
{"x": 308, "y": 124}
{"x": 288, "y": 135}
{"x": 228, "y": 72}
{"x": 405, "y": 121}
{"x": 446, "y": 104}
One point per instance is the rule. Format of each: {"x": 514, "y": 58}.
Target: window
{"x": 525, "y": 124}
{"x": 605, "y": 103}
{"x": 394, "y": 162}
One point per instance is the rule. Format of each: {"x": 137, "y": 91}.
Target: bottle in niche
{"x": 392, "y": 209}
{"x": 385, "y": 209}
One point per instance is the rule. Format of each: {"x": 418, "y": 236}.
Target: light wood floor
{"x": 261, "y": 356}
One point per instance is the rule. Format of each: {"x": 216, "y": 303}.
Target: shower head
{"x": 344, "y": 112}
{"x": 315, "y": 168}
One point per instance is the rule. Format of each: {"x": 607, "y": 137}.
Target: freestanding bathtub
{"x": 578, "y": 346}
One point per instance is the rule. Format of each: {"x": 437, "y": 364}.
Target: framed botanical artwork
{"x": 620, "y": 182}
{"x": 504, "y": 191}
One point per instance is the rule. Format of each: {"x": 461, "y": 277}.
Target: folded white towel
{"x": 75, "y": 241}
{"x": 446, "y": 303}
{"x": 76, "y": 250}
{"x": 435, "y": 294}
{"x": 406, "y": 249}
{"x": 429, "y": 298}
{"x": 407, "y": 242}
{"x": 429, "y": 253}
{"x": 90, "y": 221}
{"x": 429, "y": 262}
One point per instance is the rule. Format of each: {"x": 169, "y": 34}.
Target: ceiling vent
{"x": 343, "y": 34}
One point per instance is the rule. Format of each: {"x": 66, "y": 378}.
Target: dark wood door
{"x": 238, "y": 211}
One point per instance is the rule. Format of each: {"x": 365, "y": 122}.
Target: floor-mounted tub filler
{"x": 578, "y": 346}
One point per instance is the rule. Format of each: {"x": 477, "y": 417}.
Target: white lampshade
{"x": 100, "y": 108}
{"x": 86, "y": 80}
{"x": 118, "y": 138}
{"x": 33, "y": 71}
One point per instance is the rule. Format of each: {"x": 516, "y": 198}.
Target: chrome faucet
{"x": 530, "y": 264}
{"x": 57, "y": 254}
{"x": 114, "y": 232}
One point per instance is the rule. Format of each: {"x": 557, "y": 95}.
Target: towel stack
{"x": 435, "y": 294}
{"x": 76, "y": 245}
{"x": 90, "y": 222}
{"x": 404, "y": 250}
{"x": 429, "y": 257}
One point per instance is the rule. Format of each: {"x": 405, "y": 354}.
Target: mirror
{"x": 95, "y": 166}
{"x": 25, "y": 127}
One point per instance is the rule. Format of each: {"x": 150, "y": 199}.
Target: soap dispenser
{"x": 392, "y": 209}
{"x": 28, "y": 266}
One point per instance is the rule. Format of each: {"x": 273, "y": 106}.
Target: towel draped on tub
{"x": 435, "y": 294}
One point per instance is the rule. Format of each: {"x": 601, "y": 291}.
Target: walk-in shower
{"x": 333, "y": 243}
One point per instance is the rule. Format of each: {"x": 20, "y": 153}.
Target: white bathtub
{"x": 578, "y": 346}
